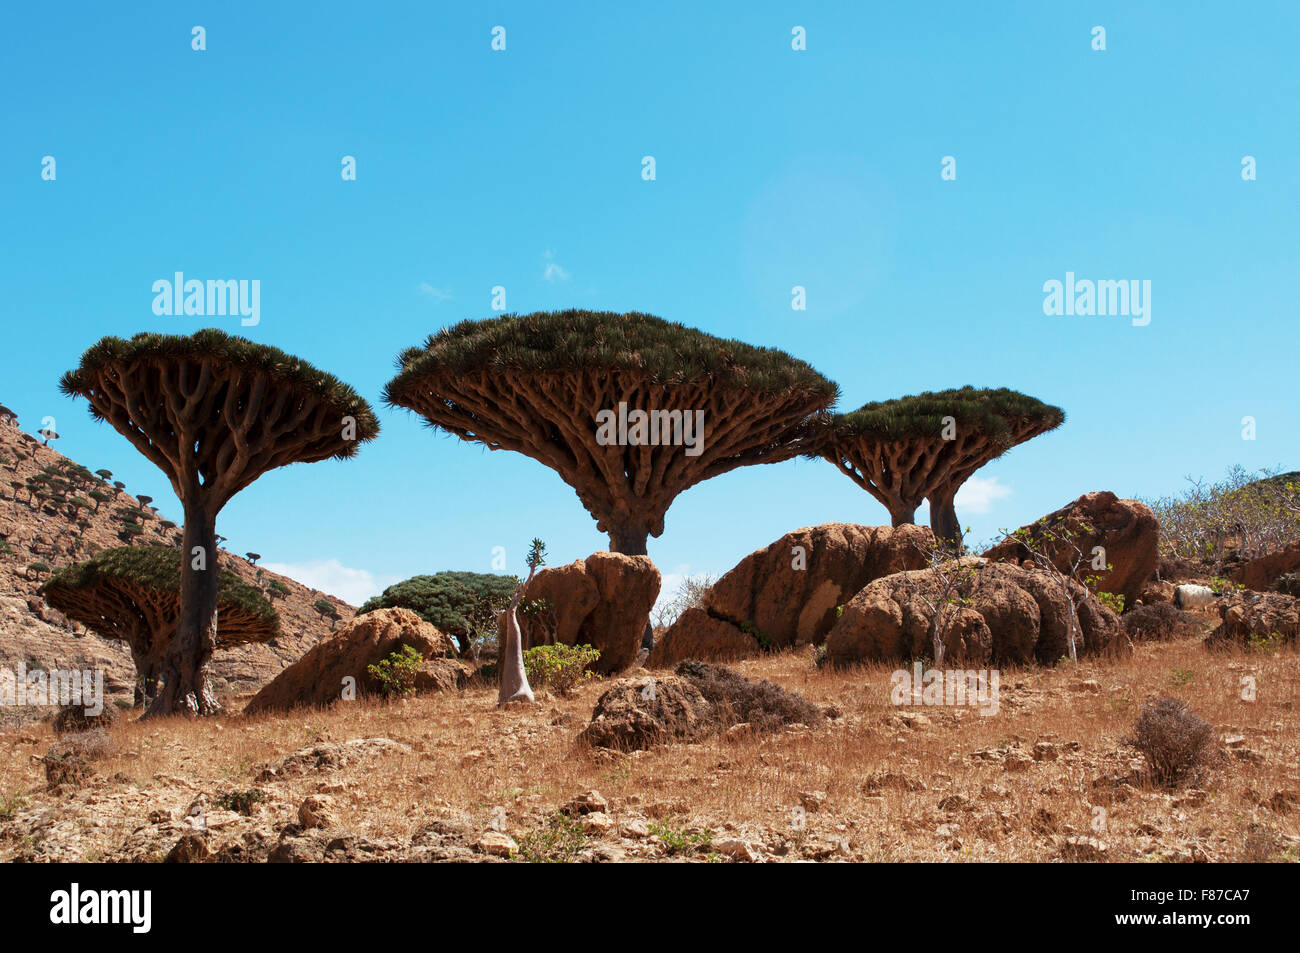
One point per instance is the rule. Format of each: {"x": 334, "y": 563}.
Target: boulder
{"x": 1250, "y": 616}
{"x": 697, "y": 700}
{"x": 1012, "y": 615}
{"x": 603, "y": 601}
{"x": 639, "y": 713}
{"x": 787, "y": 593}
{"x": 1262, "y": 572}
{"x": 1190, "y": 596}
{"x": 316, "y": 679}
{"x": 1126, "y": 529}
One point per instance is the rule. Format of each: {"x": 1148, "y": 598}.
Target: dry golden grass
{"x": 468, "y": 759}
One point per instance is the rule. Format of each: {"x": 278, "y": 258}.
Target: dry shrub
{"x": 735, "y": 699}
{"x": 1158, "y": 622}
{"x": 72, "y": 719}
{"x": 1177, "y": 744}
{"x": 69, "y": 760}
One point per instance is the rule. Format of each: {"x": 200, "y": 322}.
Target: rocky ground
{"x": 448, "y": 776}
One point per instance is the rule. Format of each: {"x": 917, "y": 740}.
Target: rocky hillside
{"x": 69, "y": 513}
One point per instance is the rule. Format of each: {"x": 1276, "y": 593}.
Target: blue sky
{"x": 775, "y": 168}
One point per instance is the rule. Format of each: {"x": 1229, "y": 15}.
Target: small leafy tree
{"x": 559, "y": 666}
{"x": 275, "y": 588}
{"x": 942, "y": 587}
{"x": 464, "y": 605}
{"x": 327, "y": 610}
{"x": 1056, "y": 551}
{"x": 396, "y": 674}
{"x": 253, "y": 557}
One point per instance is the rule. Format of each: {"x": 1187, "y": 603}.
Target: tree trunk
{"x": 512, "y": 679}
{"x": 943, "y": 516}
{"x": 901, "y": 514}
{"x": 184, "y": 670}
{"x": 628, "y": 540}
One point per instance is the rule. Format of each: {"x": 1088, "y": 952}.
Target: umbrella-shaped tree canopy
{"x": 133, "y": 594}
{"x": 906, "y": 450}
{"x": 545, "y": 384}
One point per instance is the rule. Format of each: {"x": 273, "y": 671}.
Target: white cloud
{"x": 353, "y": 586}
{"x": 437, "y": 294}
{"x": 553, "y": 269}
{"x": 978, "y": 494}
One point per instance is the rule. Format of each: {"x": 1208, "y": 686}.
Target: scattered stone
{"x": 192, "y": 848}
{"x": 597, "y": 823}
{"x": 496, "y": 844}
{"x": 1083, "y": 848}
{"x": 736, "y": 849}
{"x": 590, "y": 802}
{"x": 317, "y": 810}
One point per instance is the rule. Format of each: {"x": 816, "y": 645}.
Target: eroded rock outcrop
{"x": 317, "y": 678}
{"x": 1257, "y": 617}
{"x": 603, "y": 601}
{"x": 1126, "y": 529}
{"x": 1261, "y": 573}
{"x": 787, "y": 593}
{"x": 1013, "y": 615}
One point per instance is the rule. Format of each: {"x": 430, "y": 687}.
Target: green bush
{"x": 1114, "y": 601}
{"x": 241, "y": 802}
{"x": 396, "y": 674}
{"x": 559, "y": 666}
{"x": 680, "y": 841}
{"x": 557, "y": 842}
{"x": 462, "y": 604}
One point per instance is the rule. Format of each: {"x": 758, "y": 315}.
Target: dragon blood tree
{"x": 926, "y": 446}
{"x": 133, "y": 594}
{"x": 213, "y": 412}
{"x": 629, "y": 409}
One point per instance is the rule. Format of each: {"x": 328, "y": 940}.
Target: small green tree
{"x": 327, "y": 610}
{"x": 559, "y": 666}
{"x": 463, "y": 605}
{"x": 1055, "y": 550}
{"x": 396, "y": 674}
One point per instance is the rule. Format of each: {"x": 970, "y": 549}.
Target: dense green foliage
{"x": 231, "y": 351}
{"x": 559, "y": 666}
{"x": 396, "y": 674}
{"x": 458, "y": 603}
{"x": 989, "y": 412}
{"x": 561, "y": 341}
{"x": 157, "y": 567}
